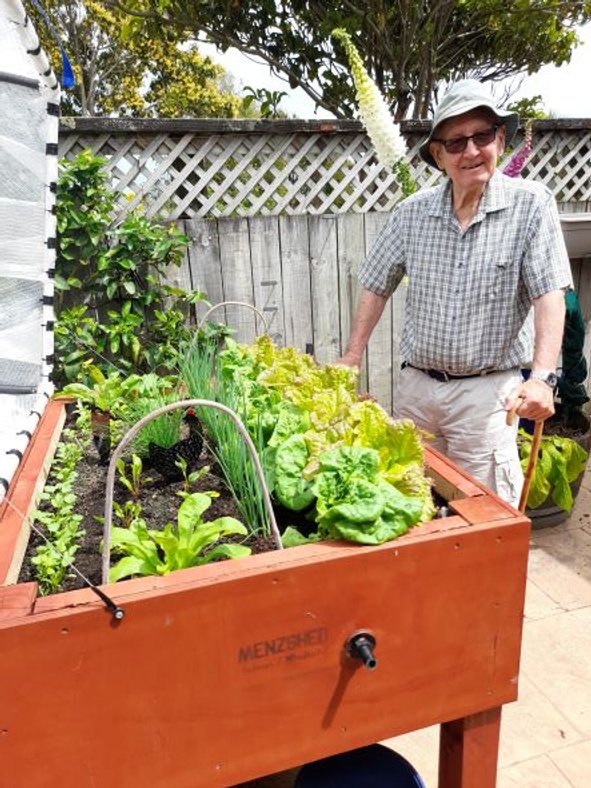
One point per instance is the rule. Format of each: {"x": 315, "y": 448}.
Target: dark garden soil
{"x": 575, "y": 427}
{"x": 159, "y": 500}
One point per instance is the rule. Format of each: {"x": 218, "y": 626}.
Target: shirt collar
{"x": 495, "y": 198}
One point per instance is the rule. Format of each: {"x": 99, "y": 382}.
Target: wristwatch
{"x": 546, "y": 376}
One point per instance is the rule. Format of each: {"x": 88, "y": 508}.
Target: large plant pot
{"x": 548, "y": 514}
{"x": 227, "y": 672}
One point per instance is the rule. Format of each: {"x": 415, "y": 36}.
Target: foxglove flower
{"x": 517, "y": 161}
{"x": 373, "y": 110}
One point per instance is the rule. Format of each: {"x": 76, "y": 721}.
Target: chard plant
{"x": 189, "y": 478}
{"x": 131, "y": 476}
{"x": 105, "y": 393}
{"x": 193, "y": 541}
{"x": 127, "y": 514}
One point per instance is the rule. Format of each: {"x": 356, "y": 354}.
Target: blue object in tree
{"x": 68, "y": 79}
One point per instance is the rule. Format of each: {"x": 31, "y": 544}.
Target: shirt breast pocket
{"x": 497, "y": 281}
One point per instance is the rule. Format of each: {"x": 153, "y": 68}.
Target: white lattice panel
{"x": 257, "y": 173}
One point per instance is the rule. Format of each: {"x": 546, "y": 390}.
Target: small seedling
{"x": 189, "y": 478}
{"x": 128, "y": 514}
{"x": 134, "y": 482}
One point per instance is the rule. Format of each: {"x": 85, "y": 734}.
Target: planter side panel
{"x": 25, "y": 489}
{"x": 209, "y": 684}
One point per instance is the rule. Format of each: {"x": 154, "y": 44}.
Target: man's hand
{"x": 369, "y": 310}
{"x": 537, "y": 400}
{"x": 349, "y": 360}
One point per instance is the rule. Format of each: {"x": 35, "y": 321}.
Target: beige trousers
{"x": 467, "y": 421}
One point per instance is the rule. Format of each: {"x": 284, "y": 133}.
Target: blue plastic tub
{"x": 375, "y": 766}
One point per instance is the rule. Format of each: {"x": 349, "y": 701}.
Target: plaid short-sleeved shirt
{"x": 468, "y": 305}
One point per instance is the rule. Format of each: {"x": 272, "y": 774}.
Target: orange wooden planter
{"x": 223, "y": 673}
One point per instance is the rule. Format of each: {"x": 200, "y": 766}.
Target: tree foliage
{"x": 139, "y": 76}
{"x": 409, "y": 46}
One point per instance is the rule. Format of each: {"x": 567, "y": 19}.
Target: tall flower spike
{"x": 517, "y": 161}
{"x": 373, "y": 110}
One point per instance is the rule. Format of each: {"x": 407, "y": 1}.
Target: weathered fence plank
{"x": 204, "y": 261}
{"x": 379, "y": 349}
{"x": 350, "y": 253}
{"x": 237, "y": 278}
{"x": 265, "y": 253}
{"x": 324, "y": 278}
{"x": 295, "y": 266}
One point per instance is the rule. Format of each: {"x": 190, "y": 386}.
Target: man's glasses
{"x": 459, "y": 144}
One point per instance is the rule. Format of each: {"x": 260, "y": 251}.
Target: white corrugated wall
{"x": 29, "y": 114}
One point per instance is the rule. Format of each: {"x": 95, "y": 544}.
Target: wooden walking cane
{"x": 533, "y": 455}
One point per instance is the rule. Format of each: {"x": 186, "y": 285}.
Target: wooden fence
{"x": 280, "y": 214}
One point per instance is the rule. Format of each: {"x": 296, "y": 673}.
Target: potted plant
{"x": 564, "y": 448}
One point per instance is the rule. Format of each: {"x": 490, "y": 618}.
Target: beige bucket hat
{"x": 460, "y": 98}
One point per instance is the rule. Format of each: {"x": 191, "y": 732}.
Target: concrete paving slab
{"x": 575, "y": 763}
{"x": 560, "y": 565}
{"x": 538, "y": 772}
{"x": 533, "y": 726}
{"x": 538, "y": 604}
{"x": 556, "y": 658}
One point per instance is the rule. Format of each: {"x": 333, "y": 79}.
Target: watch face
{"x": 552, "y": 380}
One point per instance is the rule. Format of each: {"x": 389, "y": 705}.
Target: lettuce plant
{"x": 355, "y": 502}
{"x": 302, "y": 413}
{"x": 153, "y": 552}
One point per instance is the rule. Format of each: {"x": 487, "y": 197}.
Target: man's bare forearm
{"x": 369, "y": 310}
{"x": 537, "y": 398}
{"x": 549, "y": 312}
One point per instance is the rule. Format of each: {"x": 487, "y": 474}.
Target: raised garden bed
{"x": 222, "y": 673}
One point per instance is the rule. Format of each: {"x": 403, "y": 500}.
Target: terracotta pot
{"x": 230, "y": 671}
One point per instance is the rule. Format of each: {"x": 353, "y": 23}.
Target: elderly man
{"x": 480, "y": 251}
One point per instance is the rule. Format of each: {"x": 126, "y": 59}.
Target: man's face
{"x": 472, "y": 167}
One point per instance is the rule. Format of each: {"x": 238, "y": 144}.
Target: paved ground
{"x": 546, "y": 734}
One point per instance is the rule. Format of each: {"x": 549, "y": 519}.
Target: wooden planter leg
{"x": 468, "y": 750}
